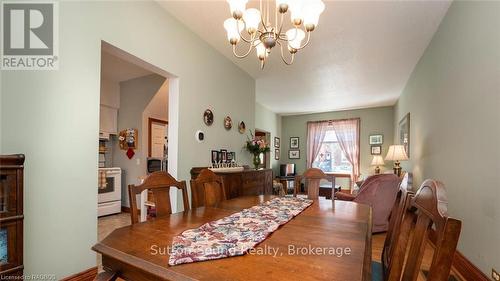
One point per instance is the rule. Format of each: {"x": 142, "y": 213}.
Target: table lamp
{"x": 377, "y": 161}
{"x": 396, "y": 153}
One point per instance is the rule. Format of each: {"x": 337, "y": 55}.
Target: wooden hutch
{"x": 11, "y": 215}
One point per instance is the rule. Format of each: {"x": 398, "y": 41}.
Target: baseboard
{"x": 87, "y": 275}
{"x": 125, "y": 209}
{"x": 462, "y": 265}
{"x": 467, "y": 269}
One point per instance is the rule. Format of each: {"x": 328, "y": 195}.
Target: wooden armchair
{"x": 426, "y": 213}
{"x": 207, "y": 189}
{"x": 313, "y": 177}
{"x": 159, "y": 184}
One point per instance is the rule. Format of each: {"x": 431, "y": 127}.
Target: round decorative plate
{"x": 208, "y": 117}
{"x": 242, "y": 127}
{"x": 228, "y": 123}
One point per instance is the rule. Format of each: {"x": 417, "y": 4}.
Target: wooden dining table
{"x": 327, "y": 241}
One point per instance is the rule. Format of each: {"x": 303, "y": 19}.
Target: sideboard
{"x": 246, "y": 182}
{"x": 11, "y": 216}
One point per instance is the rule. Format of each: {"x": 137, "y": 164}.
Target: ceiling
{"x": 117, "y": 69}
{"x": 361, "y": 54}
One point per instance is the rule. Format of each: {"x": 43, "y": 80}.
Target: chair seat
{"x": 377, "y": 274}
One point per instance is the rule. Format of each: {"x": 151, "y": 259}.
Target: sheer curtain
{"x": 315, "y": 135}
{"x": 347, "y": 132}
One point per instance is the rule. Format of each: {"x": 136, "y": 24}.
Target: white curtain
{"x": 347, "y": 132}
{"x": 315, "y": 135}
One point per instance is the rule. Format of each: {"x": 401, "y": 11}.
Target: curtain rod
{"x": 334, "y": 120}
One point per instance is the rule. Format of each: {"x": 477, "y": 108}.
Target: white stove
{"x": 110, "y": 196}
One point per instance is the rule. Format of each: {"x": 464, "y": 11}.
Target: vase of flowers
{"x": 256, "y": 146}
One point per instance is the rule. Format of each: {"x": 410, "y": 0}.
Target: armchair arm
{"x": 344, "y": 196}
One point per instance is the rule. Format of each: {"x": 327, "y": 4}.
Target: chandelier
{"x": 265, "y": 32}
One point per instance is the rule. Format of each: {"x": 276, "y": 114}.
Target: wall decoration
{"x": 276, "y": 154}
{"x": 276, "y": 142}
{"x": 404, "y": 133}
{"x": 242, "y": 127}
{"x": 294, "y": 154}
{"x": 215, "y": 156}
{"x": 376, "y": 149}
{"x": 233, "y": 156}
{"x": 223, "y": 156}
{"x": 200, "y": 136}
{"x": 294, "y": 142}
{"x": 208, "y": 117}
{"x": 228, "y": 123}
{"x": 376, "y": 139}
{"x": 128, "y": 139}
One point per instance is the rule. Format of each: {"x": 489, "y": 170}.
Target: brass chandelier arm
{"x": 283, "y": 56}
{"x": 244, "y": 55}
{"x": 281, "y": 25}
{"x": 241, "y": 35}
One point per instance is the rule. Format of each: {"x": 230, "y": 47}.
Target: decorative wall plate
{"x": 208, "y": 117}
{"x": 242, "y": 127}
{"x": 228, "y": 123}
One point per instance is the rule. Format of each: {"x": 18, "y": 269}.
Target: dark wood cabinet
{"x": 246, "y": 182}
{"x": 11, "y": 215}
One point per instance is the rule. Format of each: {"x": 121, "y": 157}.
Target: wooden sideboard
{"x": 11, "y": 215}
{"x": 246, "y": 182}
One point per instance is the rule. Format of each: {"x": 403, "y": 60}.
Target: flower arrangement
{"x": 256, "y": 146}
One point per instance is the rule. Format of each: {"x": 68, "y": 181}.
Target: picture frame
{"x": 228, "y": 123}
{"x": 229, "y": 157}
{"x": 376, "y": 150}
{"x": 215, "y": 156}
{"x": 233, "y": 156}
{"x": 404, "y": 133}
{"x": 377, "y": 139}
{"x": 294, "y": 142}
{"x": 294, "y": 154}
{"x": 208, "y": 117}
{"x": 277, "y": 154}
{"x": 276, "y": 142}
{"x": 223, "y": 156}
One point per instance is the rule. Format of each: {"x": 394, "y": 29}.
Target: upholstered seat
{"x": 378, "y": 191}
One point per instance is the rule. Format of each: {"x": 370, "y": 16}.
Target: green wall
{"x": 453, "y": 97}
{"x": 378, "y": 120}
{"x": 270, "y": 122}
{"x": 53, "y": 117}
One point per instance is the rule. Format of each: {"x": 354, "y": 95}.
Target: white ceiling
{"x": 361, "y": 54}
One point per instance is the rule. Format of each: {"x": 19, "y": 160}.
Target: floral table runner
{"x": 234, "y": 235}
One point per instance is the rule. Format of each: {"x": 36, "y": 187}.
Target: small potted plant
{"x": 256, "y": 146}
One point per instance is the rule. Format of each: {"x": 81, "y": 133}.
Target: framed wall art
{"x": 376, "y": 149}
{"x": 294, "y": 142}
{"x": 404, "y": 133}
{"x": 294, "y": 154}
{"x": 376, "y": 139}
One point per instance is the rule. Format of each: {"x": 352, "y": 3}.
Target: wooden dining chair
{"x": 158, "y": 183}
{"x": 425, "y": 213}
{"x": 402, "y": 202}
{"x": 312, "y": 178}
{"x": 207, "y": 189}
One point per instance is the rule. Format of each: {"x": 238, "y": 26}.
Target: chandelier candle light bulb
{"x": 263, "y": 35}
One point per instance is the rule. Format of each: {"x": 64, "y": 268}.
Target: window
{"x": 330, "y": 157}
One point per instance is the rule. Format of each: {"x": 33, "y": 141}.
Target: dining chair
{"x": 207, "y": 189}
{"x": 158, "y": 183}
{"x": 312, "y": 178}
{"x": 379, "y": 270}
{"x": 425, "y": 214}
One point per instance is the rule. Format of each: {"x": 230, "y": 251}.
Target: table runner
{"x": 234, "y": 235}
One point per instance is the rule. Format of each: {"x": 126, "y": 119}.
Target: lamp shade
{"x": 378, "y": 160}
{"x": 396, "y": 153}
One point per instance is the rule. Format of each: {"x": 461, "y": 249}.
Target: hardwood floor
{"x": 378, "y": 244}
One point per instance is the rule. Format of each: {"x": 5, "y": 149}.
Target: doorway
{"x": 265, "y": 158}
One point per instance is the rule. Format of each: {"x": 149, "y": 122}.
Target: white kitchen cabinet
{"x": 108, "y": 120}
